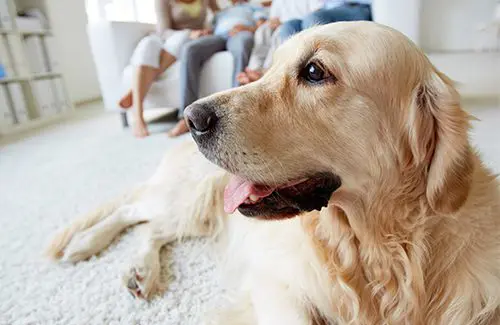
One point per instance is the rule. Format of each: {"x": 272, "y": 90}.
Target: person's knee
{"x": 342, "y": 13}
{"x": 311, "y": 21}
{"x": 290, "y": 28}
{"x": 241, "y": 42}
{"x": 189, "y": 50}
{"x": 149, "y": 44}
{"x": 150, "y": 41}
{"x": 247, "y": 41}
{"x": 316, "y": 18}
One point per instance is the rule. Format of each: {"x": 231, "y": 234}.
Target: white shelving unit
{"x": 44, "y": 93}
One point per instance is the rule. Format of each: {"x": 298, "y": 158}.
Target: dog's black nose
{"x": 200, "y": 118}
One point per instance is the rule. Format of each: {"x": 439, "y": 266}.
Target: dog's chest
{"x": 280, "y": 252}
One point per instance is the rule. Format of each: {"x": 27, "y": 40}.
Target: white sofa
{"x": 112, "y": 45}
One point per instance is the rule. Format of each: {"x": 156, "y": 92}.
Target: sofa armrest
{"x": 216, "y": 74}
{"x": 403, "y": 15}
{"x": 112, "y": 45}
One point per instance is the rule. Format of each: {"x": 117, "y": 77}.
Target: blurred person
{"x": 234, "y": 29}
{"x": 267, "y": 37}
{"x": 331, "y": 11}
{"x": 315, "y": 12}
{"x": 179, "y": 21}
{"x": 241, "y": 16}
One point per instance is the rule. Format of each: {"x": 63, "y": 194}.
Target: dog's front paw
{"x": 82, "y": 246}
{"x": 143, "y": 281}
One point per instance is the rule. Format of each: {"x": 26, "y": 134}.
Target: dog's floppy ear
{"x": 439, "y": 141}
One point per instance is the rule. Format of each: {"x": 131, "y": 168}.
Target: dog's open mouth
{"x": 278, "y": 202}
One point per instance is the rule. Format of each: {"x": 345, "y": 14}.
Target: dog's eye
{"x": 313, "y": 73}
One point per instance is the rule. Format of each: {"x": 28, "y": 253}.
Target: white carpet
{"x": 61, "y": 172}
{"x": 47, "y": 180}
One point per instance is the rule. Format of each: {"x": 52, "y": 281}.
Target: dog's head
{"x": 346, "y": 103}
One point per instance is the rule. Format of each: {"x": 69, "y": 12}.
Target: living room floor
{"x": 50, "y": 176}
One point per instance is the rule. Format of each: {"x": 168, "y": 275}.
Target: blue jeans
{"x": 196, "y": 52}
{"x": 347, "y": 12}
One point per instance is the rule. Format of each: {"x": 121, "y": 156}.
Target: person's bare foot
{"x": 243, "y": 78}
{"x": 140, "y": 129}
{"x": 180, "y": 128}
{"x": 253, "y": 75}
{"x": 126, "y": 101}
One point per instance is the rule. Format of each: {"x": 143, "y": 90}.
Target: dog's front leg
{"x": 274, "y": 304}
{"x": 142, "y": 278}
{"x": 91, "y": 241}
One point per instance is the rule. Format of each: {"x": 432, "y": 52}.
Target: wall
{"x": 449, "y": 33}
{"x": 68, "y": 22}
{"x": 446, "y": 25}
{"x": 451, "y": 25}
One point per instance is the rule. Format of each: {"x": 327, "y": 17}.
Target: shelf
{"x": 38, "y": 89}
{"x": 35, "y": 123}
{"x": 32, "y": 77}
{"x": 13, "y": 79}
{"x": 46, "y": 75}
{"x": 25, "y": 32}
{"x": 7, "y": 31}
{"x": 35, "y": 32}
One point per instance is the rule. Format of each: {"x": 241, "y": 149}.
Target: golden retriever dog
{"x": 342, "y": 187}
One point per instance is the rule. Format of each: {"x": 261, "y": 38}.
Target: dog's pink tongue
{"x": 238, "y": 190}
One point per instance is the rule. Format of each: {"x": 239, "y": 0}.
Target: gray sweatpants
{"x": 196, "y": 52}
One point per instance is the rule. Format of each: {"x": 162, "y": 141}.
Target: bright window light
{"x": 121, "y": 10}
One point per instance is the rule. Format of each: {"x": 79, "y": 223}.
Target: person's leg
{"x": 262, "y": 44}
{"x": 253, "y": 74}
{"x": 149, "y": 60}
{"x": 143, "y": 79}
{"x": 289, "y": 28}
{"x": 166, "y": 60}
{"x": 275, "y": 43}
{"x": 240, "y": 46}
{"x": 193, "y": 55}
{"x": 342, "y": 13}
{"x": 170, "y": 53}
{"x": 146, "y": 53}
{"x": 365, "y": 12}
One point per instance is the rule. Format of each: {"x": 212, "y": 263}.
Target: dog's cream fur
{"x": 411, "y": 237}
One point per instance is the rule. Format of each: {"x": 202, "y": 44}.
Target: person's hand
{"x": 274, "y": 23}
{"x": 206, "y": 32}
{"x": 260, "y": 22}
{"x": 197, "y": 33}
{"x": 238, "y": 28}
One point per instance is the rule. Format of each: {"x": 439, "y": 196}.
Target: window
{"x": 121, "y": 10}
{"x": 128, "y": 10}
